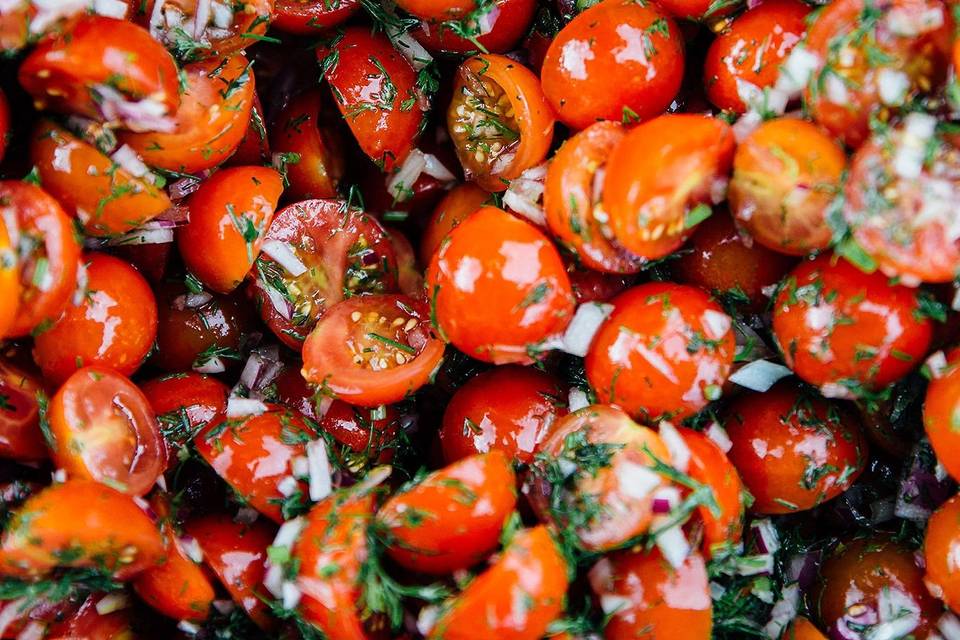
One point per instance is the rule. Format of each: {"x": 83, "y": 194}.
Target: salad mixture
{"x": 479, "y": 319}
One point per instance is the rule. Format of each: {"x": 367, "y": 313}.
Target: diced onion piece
{"x": 285, "y": 256}
{"x": 411, "y": 49}
{"x": 487, "y": 20}
{"x": 142, "y": 236}
{"x": 611, "y": 603}
{"x": 716, "y": 324}
{"x": 797, "y": 70}
{"x": 898, "y": 614}
{"x": 893, "y": 86}
{"x": 524, "y": 194}
{"x": 242, "y": 407}
{"x": 577, "y": 399}
{"x": 201, "y": 18}
{"x": 141, "y": 116}
{"x": 224, "y": 606}
{"x": 299, "y": 468}
{"x": 673, "y": 544}
{"x": 783, "y": 612}
{"x": 911, "y": 22}
{"x": 112, "y": 602}
{"x": 754, "y": 565}
{"x": 436, "y": 169}
{"x": 277, "y": 300}
{"x": 760, "y": 375}
{"x": 222, "y": 15}
{"x": 214, "y": 364}
{"x": 191, "y": 548}
{"x": 35, "y": 630}
{"x": 288, "y": 533}
{"x": 584, "y": 326}
{"x": 666, "y": 499}
{"x": 918, "y": 129}
{"x": 400, "y": 184}
{"x": 937, "y": 364}
{"x": 676, "y": 445}
{"x": 949, "y": 626}
{"x": 273, "y": 579}
{"x": 48, "y": 12}
{"x": 287, "y": 486}
{"x": 719, "y": 436}
{"x": 189, "y": 628}
{"x": 636, "y": 480}
{"x": 374, "y": 478}
{"x": 319, "y": 472}
{"x": 767, "y": 535}
{"x": 290, "y": 595}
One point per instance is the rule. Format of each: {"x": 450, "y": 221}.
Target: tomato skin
{"x": 843, "y": 330}
{"x": 307, "y": 17}
{"x": 456, "y": 206}
{"x": 106, "y": 199}
{"x": 80, "y": 515}
{"x": 114, "y": 325}
{"x": 751, "y": 50}
{"x": 87, "y": 623}
{"x": 20, "y": 435}
{"x": 366, "y": 440}
{"x": 200, "y": 399}
{"x": 659, "y": 602}
{"x": 531, "y": 565}
{"x": 941, "y": 412}
{"x": 433, "y": 10}
{"x": 594, "y": 70}
{"x": 453, "y": 517}
{"x": 822, "y": 448}
{"x": 498, "y": 288}
{"x": 802, "y": 629}
{"x": 663, "y": 352}
{"x": 254, "y": 147}
{"x": 67, "y": 73}
{"x": 659, "y": 173}
{"x": 785, "y": 175}
{"x": 508, "y": 27}
{"x": 217, "y": 247}
{"x": 384, "y": 119}
{"x": 9, "y": 279}
{"x": 938, "y": 545}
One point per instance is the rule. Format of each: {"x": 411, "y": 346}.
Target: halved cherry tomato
{"x": 88, "y": 623}
{"x": 498, "y": 288}
{"x": 655, "y": 600}
{"x": 4, "y": 121}
{"x": 339, "y": 251}
{"x": 455, "y": 207}
{"x": 254, "y": 147}
{"x": 305, "y": 129}
{"x": 114, "y": 323}
{"x": 532, "y": 571}
{"x": 508, "y": 20}
{"x": 49, "y": 254}
{"x": 846, "y": 331}
{"x": 229, "y": 215}
{"x": 664, "y": 352}
{"x": 751, "y": 50}
{"x": 375, "y": 89}
{"x": 20, "y": 397}
{"x": 74, "y": 524}
{"x": 185, "y": 404}
{"x": 509, "y": 408}
{"x": 941, "y": 413}
{"x": 794, "y": 451}
{"x": 210, "y": 123}
{"x": 499, "y": 120}
{"x": 254, "y": 453}
{"x": 618, "y": 60}
{"x": 308, "y": 17}
{"x": 602, "y": 445}
{"x": 231, "y": 25}
{"x": 939, "y": 548}
{"x": 785, "y": 175}
{"x": 409, "y": 274}
{"x": 802, "y": 629}
{"x": 9, "y": 274}
{"x": 452, "y": 518}
{"x": 104, "y": 68}
{"x": 104, "y": 196}
{"x": 662, "y": 178}
{"x": 104, "y": 429}
{"x": 372, "y": 350}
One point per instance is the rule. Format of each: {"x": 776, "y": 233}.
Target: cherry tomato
{"x": 104, "y": 68}
{"x": 785, "y": 175}
{"x": 228, "y": 26}
{"x": 409, "y": 274}
{"x": 941, "y": 414}
{"x": 939, "y": 548}
{"x": 4, "y": 121}
{"x": 308, "y": 17}
{"x": 103, "y": 195}
{"x": 229, "y": 215}
{"x": 846, "y": 331}
{"x": 367, "y": 439}
{"x": 90, "y": 624}
{"x": 862, "y": 46}
{"x": 372, "y": 350}
{"x": 20, "y": 397}
{"x": 531, "y": 569}
{"x": 452, "y": 518}
{"x": 210, "y": 123}
{"x": 498, "y": 288}
{"x": 74, "y": 524}
{"x": 508, "y": 408}
{"x": 721, "y": 260}
{"x": 664, "y": 352}
{"x": 794, "y": 451}
{"x": 802, "y": 629}
{"x": 618, "y": 60}
{"x": 375, "y": 89}
{"x": 455, "y": 207}
{"x": 434, "y": 10}
{"x": 330, "y": 251}
{"x": 113, "y": 324}
{"x": 9, "y": 274}
{"x": 751, "y": 50}
{"x": 499, "y": 120}
{"x": 656, "y": 601}
{"x": 304, "y": 128}
{"x": 254, "y": 147}
{"x": 508, "y": 21}
{"x": 185, "y": 404}
{"x": 613, "y": 513}
{"x": 593, "y": 286}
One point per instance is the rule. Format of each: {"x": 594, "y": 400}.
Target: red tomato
{"x": 49, "y": 254}
{"x": 365, "y": 440}
{"x": 594, "y": 286}
{"x": 4, "y": 120}
{"x": 751, "y": 50}
{"x": 452, "y": 518}
{"x": 532, "y": 570}
{"x": 437, "y": 10}
{"x": 74, "y": 524}
{"x": 785, "y": 176}
{"x": 941, "y": 413}
{"x": 9, "y": 277}
{"x": 509, "y": 408}
{"x": 664, "y": 352}
{"x": 794, "y": 451}
{"x": 90, "y": 624}
{"x": 656, "y": 601}
{"x": 939, "y": 549}
{"x": 254, "y": 147}
{"x": 14, "y": 23}
{"x": 499, "y": 120}
{"x": 498, "y": 288}
{"x": 662, "y": 178}
{"x": 210, "y": 123}
{"x": 846, "y": 331}
{"x": 114, "y": 325}
{"x": 618, "y": 60}
{"x": 375, "y": 89}
{"x": 20, "y": 397}
{"x": 105, "y": 430}
{"x": 372, "y": 350}
{"x": 104, "y": 68}
{"x": 308, "y": 17}
{"x": 409, "y": 273}
{"x": 802, "y": 629}
{"x": 230, "y": 26}
{"x": 508, "y": 21}
{"x": 185, "y": 404}
{"x": 229, "y": 215}
{"x": 455, "y": 207}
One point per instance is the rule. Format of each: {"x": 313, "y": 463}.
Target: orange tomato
{"x": 9, "y": 278}
{"x": 941, "y": 413}
{"x": 455, "y": 207}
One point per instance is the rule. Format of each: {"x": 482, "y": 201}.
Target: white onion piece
{"x": 949, "y": 626}
{"x": 611, "y": 603}
{"x": 273, "y": 579}
{"x": 918, "y": 129}
{"x": 427, "y": 619}
{"x": 436, "y": 169}
{"x": 290, "y": 595}
{"x": 400, "y": 184}
{"x": 486, "y": 22}
{"x": 191, "y": 300}
{"x": 411, "y": 49}
{"x": 898, "y": 614}
{"x": 130, "y": 162}
{"x": 797, "y": 70}
{"x": 80, "y": 293}
{"x": 719, "y": 436}
{"x": 635, "y": 480}
{"x": 288, "y": 533}
{"x": 673, "y": 544}
{"x": 936, "y": 364}
{"x": 35, "y": 630}
{"x": 278, "y": 302}
{"x": 716, "y": 324}
{"x": 201, "y": 18}
{"x": 189, "y": 628}
{"x": 156, "y": 19}
{"x": 287, "y": 486}
{"x": 242, "y": 407}
{"x": 50, "y": 11}
{"x": 222, "y": 15}
{"x": 783, "y": 612}
{"x": 137, "y": 115}
{"x": 142, "y": 236}
{"x": 224, "y": 606}
{"x": 112, "y": 602}
{"x": 892, "y": 86}
{"x": 191, "y": 548}
{"x": 577, "y": 399}
{"x": 374, "y": 478}
{"x": 285, "y": 256}
{"x": 768, "y": 535}
{"x": 676, "y": 445}
{"x": 525, "y": 192}
{"x": 760, "y": 375}
{"x": 111, "y": 8}
{"x": 12, "y": 612}
{"x": 211, "y": 365}
{"x": 318, "y": 465}
{"x": 754, "y": 565}
{"x": 584, "y": 326}
{"x": 299, "y": 468}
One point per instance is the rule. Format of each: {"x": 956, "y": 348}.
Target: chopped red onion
{"x": 784, "y": 611}
{"x": 285, "y": 256}
{"x": 768, "y": 540}
{"x": 318, "y": 465}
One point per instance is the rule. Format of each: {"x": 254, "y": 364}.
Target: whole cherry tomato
{"x": 455, "y": 207}
{"x": 939, "y": 548}
{"x": 367, "y": 438}
{"x": 196, "y": 30}
{"x": 254, "y": 147}
{"x": 505, "y": 23}
{"x": 185, "y": 404}
{"x": 941, "y": 415}
{"x": 21, "y": 395}
{"x": 433, "y": 10}
{"x": 308, "y": 17}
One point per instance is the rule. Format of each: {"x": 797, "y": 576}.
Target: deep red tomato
{"x": 113, "y": 324}
{"x": 88, "y": 623}
{"x": 794, "y": 451}
{"x": 846, "y": 331}
{"x": 185, "y": 404}
{"x": 20, "y": 397}
{"x": 507, "y": 21}
{"x": 664, "y": 352}
{"x": 308, "y": 17}
{"x": 618, "y": 60}
{"x": 366, "y": 439}
{"x": 498, "y": 288}
{"x": 455, "y": 207}
{"x": 941, "y": 413}
{"x": 434, "y": 10}
{"x": 229, "y": 215}
{"x": 254, "y": 147}
{"x": 499, "y": 120}
{"x": 229, "y": 27}
{"x": 409, "y": 273}
{"x": 372, "y": 350}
